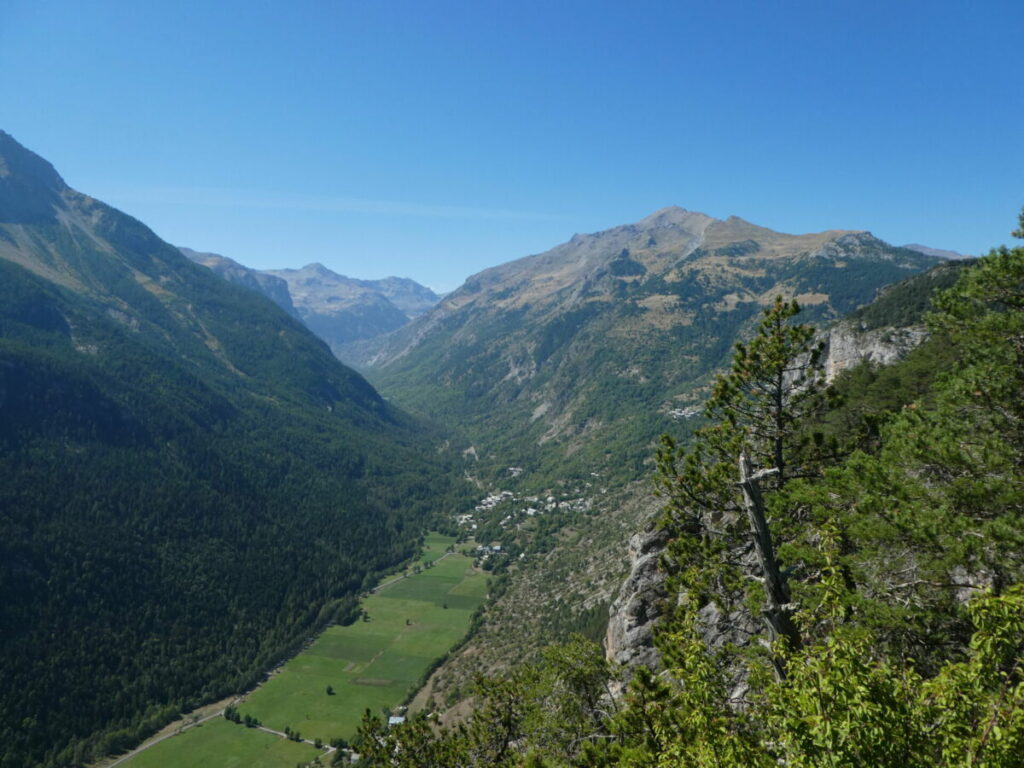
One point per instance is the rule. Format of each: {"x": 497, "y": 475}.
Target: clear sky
{"x": 432, "y": 139}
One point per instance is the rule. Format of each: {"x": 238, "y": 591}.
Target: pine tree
{"x": 715, "y": 503}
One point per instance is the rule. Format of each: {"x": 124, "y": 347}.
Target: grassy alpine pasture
{"x": 220, "y": 744}
{"x": 373, "y": 663}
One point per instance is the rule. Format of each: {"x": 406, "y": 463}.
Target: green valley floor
{"x": 408, "y": 622}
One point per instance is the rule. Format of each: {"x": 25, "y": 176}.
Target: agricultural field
{"x": 373, "y": 663}
{"x": 410, "y": 620}
{"x": 220, "y": 744}
{"x": 434, "y": 545}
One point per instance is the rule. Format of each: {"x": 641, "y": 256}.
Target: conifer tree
{"x": 715, "y": 503}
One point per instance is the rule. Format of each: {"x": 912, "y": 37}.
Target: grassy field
{"x": 374, "y": 663}
{"x": 434, "y": 545}
{"x": 220, "y": 744}
{"x": 370, "y": 664}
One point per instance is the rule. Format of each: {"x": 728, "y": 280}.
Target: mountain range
{"x": 338, "y": 309}
{"x": 194, "y": 484}
{"x": 575, "y": 359}
{"x": 937, "y": 252}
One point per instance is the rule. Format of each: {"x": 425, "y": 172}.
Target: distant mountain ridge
{"x": 338, "y": 309}
{"x": 937, "y": 252}
{"x": 583, "y": 352}
{"x": 342, "y": 309}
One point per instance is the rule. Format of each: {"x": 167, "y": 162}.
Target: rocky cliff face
{"x": 645, "y": 598}
{"x": 409, "y": 296}
{"x": 892, "y": 325}
{"x": 846, "y": 346}
{"x": 631, "y": 617}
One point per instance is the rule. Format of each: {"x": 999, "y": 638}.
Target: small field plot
{"x": 434, "y": 545}
{"x": 220, "y": 744}
{"x": 373, "y": 663}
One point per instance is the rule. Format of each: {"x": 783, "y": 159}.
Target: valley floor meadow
{"x": 409, "y": 621}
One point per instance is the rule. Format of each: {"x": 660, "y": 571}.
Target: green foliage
{"x": 773, "y": 387}
{"x": 667, "y": 724}
{"x": 545, "y": 713}
{"x": 378, "y": 663}
{"x": 840, "y": 705}
{"x": 218, "y": 743}
{"x": 935, "y": 508}
{"x": 192, "y": 485}
{"x": 903, "y": 556}
{"x": 756, "y": 410}
{"x": 867, "y": 396}
{"x": 905, "y": 303}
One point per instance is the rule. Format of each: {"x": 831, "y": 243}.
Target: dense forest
{"x": 844, "y": 572}
{"x": 192, "y": 484}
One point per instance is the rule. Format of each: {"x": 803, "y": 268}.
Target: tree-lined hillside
{"x": 192, "y": 484}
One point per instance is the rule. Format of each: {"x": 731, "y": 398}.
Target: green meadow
{"x": 373, "y": 663}
{"x": 220, "y": 744}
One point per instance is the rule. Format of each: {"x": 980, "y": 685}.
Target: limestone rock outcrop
{"x": 630, "y": 636}
{"x": 847, "y": 346}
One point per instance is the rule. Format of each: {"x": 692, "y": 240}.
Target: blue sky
{"x": 435, "y": 139}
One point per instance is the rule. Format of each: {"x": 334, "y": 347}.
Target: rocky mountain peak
{"x": 609, "y": 334}
{"x": 674, "y": 216}
{"x": 318, "y": 269}
{"x": 270, "y": 286}
{"x": 22, "y": 165}
{"x": 342, "y": 310}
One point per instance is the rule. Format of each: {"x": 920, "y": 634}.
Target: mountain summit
{"x": 590, "y": 348}
{"x": 340, "y": 310}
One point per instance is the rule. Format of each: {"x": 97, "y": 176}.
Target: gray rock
{"x": 630, "y": 637}
{"x": 846, "y": 346}
{"x": 642, "y": 602}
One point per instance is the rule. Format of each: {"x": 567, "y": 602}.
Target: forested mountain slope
{"x": 565, "y": 588}
{"x": 191, "y": 482}
{"x": 842, "y": 573}
{"x": 580, "y": 356}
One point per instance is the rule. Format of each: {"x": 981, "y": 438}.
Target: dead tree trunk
{"x": 778, "y": 612}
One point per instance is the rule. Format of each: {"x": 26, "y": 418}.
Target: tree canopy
{"x": 900, "y": 559}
